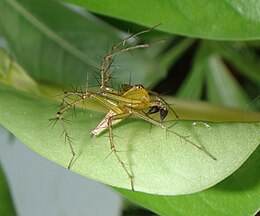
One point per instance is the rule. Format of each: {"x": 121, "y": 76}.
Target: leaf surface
{"x": 236, "y": 195}
{"x": 223, "y": 19}
{"x": 161, "y": 162}
{"x": 59, "y": 45}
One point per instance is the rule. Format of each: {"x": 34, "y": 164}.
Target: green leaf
{"x": 6, "y": 204}
{"x": 236, "y": 195}
{"x": 193, "y": 85}
{"x": 59, "y": 45}
{"x": 12, "y": 74}
{"x": 161, "y": 163}
{"x": 223, "y": 19}
{"x": 222, "y": 88}
{"x": 241, "y": 57}
{"x": 172, "y": 56}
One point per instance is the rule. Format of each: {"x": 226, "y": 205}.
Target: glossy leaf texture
{"x": 65, "y": 46}
{"x": 161, "y": 162}
{"x": 224, "y": 19}
{"x": 236, "y": 195}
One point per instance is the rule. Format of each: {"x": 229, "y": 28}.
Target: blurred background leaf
{"x": 67, "y": 44}
{"x": 6, "y": 204}
{"x": 224, "y": 19}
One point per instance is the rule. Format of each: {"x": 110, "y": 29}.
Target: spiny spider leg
{"x": 105, "y": 69}
{"x": 69, "y": 138}
{"x": 59, "y": 117}
{"x": 136, "y": 34}
{"x": 112, "y": 143}
{"x": 80, "y": 98}
{"x": 169, "y": 107}
{"x": 159, "y": 124}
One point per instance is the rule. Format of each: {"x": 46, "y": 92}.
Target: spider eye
{"x": 153, "y": 109}
{"x": 163, "y": 113}
{"x": 139, "y": 86}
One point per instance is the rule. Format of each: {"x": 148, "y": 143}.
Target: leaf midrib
{"x": 51, "y": 34}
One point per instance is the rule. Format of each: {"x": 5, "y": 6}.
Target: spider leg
{"x": 169, "y": 107}
{"x": 164, "y": 102}
{"x": 105, "y": 69}
{"x": 112, "y": 143}
{"x": 107, "y": 60}
{"x": 152, "y": 121}
{"x": 59, "y": 117}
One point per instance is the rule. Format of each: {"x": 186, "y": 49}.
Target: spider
{"x": 129, "y": 101}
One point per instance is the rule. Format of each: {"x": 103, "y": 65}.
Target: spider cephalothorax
{"x": 147, "y": 99}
